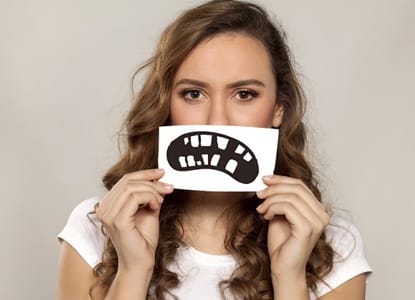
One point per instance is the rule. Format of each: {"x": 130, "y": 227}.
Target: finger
{"x": 138, "y": 192}
{"x": 127, "y": 213}
{"x": 161, "y": 187}
{"x": 275, "y": 179}
{"x": 314, "y": 202}
{"x": 297, "y": 189}
{"x": 142, "y": 175}
{"x": 149, "y": 174}
{"x": 110, "y": 208}
{"x": 295, "y": 201}
{"x": 119, "y": 187}
{"x": 300, "y": 225}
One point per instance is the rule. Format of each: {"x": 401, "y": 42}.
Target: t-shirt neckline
{"x": 208, "y": 258}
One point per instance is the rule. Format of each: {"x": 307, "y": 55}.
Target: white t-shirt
{"x": 200, "y": 272}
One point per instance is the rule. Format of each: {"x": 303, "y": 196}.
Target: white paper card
{"x": 217, "y": 158}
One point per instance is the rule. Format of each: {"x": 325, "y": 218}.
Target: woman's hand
{"x": 129, "y": 213}
{"x": 296, "y": 221}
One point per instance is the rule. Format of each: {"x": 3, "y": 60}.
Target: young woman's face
{"x": 226, "y": 80}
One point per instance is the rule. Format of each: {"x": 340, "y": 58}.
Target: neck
{"x": 209, "y": 207}
{"x": 204, "y": 220}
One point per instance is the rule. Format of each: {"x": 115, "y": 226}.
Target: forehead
{"x": 227, "y": 57}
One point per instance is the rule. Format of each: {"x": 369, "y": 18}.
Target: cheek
{"x": 176, "y": 115}
{"x": 257, "y": 116}
{"x": 183, "y": 115}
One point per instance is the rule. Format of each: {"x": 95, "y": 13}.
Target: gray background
{"x": 64, "y": 88}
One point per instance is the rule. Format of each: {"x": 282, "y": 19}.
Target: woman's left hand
{"x": 296, "y": 221}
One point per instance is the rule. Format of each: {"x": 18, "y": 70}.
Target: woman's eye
{"x": 246, "y": 95}
{"x": 191, "y": 94}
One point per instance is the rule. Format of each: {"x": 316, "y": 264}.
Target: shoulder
{"x": 345, "y": 239}
{"x": 83, "y": 232}
{"x": 349, "y": 254}
{"x": 84, "y": 207}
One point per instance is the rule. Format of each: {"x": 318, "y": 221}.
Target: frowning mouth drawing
{"x": 211, "y": 150}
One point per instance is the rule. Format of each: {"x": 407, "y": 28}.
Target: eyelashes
{"x": 192, "y": 94}
{"x": 246, "y": 95}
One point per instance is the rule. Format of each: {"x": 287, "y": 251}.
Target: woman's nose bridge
{"x": 218, "y": 112}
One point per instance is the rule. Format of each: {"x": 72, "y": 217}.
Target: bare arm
{"x": 296, "y": 221}
{"x": 129, "y": 213}
{"x": 75, "y": 276}
{"x": 129, "y": 286}
{"x": 354, "y": 288}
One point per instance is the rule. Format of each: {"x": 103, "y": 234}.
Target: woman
{"x": 222, "y": 63}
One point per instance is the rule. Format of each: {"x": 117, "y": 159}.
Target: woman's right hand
{"x": 129, "y": 213}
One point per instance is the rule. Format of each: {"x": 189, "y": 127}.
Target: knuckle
{"x": 298, "y": 181}
{"x": 135, "y": 187}
{"x": 138, "y": 198}
{"x": 98, "y": 213}
{"x": 118, "y": 224}
{"x": 271, "y": 209}
{"x": 128, "y": 187}
{"x": 308, "y": 231}
{"x": 320, "y": 226}
{"x": 142, "y": 195}
{"x": 286, "y": 205}
{"x": 326, "y": 219}
{"x": 105, "y": 220}
{"x": 324, "y": 216}
{"x": 291, "y": 198}
{"x": 299, "y": 186}
{"x": 127, "y": 177}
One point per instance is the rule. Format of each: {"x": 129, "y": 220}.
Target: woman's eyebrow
{"x": 246, "y": 82}
{"x": 192, "y": 82}
{"x": 230, "y": 85}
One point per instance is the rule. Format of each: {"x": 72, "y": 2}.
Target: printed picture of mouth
{"x": 211, "y": 150}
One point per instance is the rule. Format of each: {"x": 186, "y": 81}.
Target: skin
{"x": 226, "y": 80}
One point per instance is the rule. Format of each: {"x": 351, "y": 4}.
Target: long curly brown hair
{"x": 246, "y": 236}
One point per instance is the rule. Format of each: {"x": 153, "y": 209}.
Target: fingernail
{"x": 259, "y": 208}
{"x": 260, "y": 193}
{"x": 168, "y": 187}
{"x": 266, "y": 178}
{"x": 159, "y": 170}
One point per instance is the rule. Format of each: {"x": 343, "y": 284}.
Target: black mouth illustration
{"x": 210, "y": 150}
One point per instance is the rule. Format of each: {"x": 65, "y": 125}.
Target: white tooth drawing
{"x": 194, "y": 141}
{"x": 222, "y": 142}
{"x": 239, "y": 149}
{"x": 205, "y": 139}
{"x": 247, "y": 157}
{"x": 205, "y": 158}
{"x": 182, "y": 161}
{"x": 191, "y": 161}
{"x": 198, "y": 162}
{"x": 215, "y": 160}
{"x": 231, "y": 165}
{"x": 186, "y": 140}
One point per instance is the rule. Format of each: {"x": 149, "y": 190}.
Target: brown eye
{"x": 191, "y": 94}
{"x": 194, "y": 94}
{"x": 246, "y": 95}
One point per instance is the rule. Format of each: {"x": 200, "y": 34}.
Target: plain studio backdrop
{"x": 65, "y": 68}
